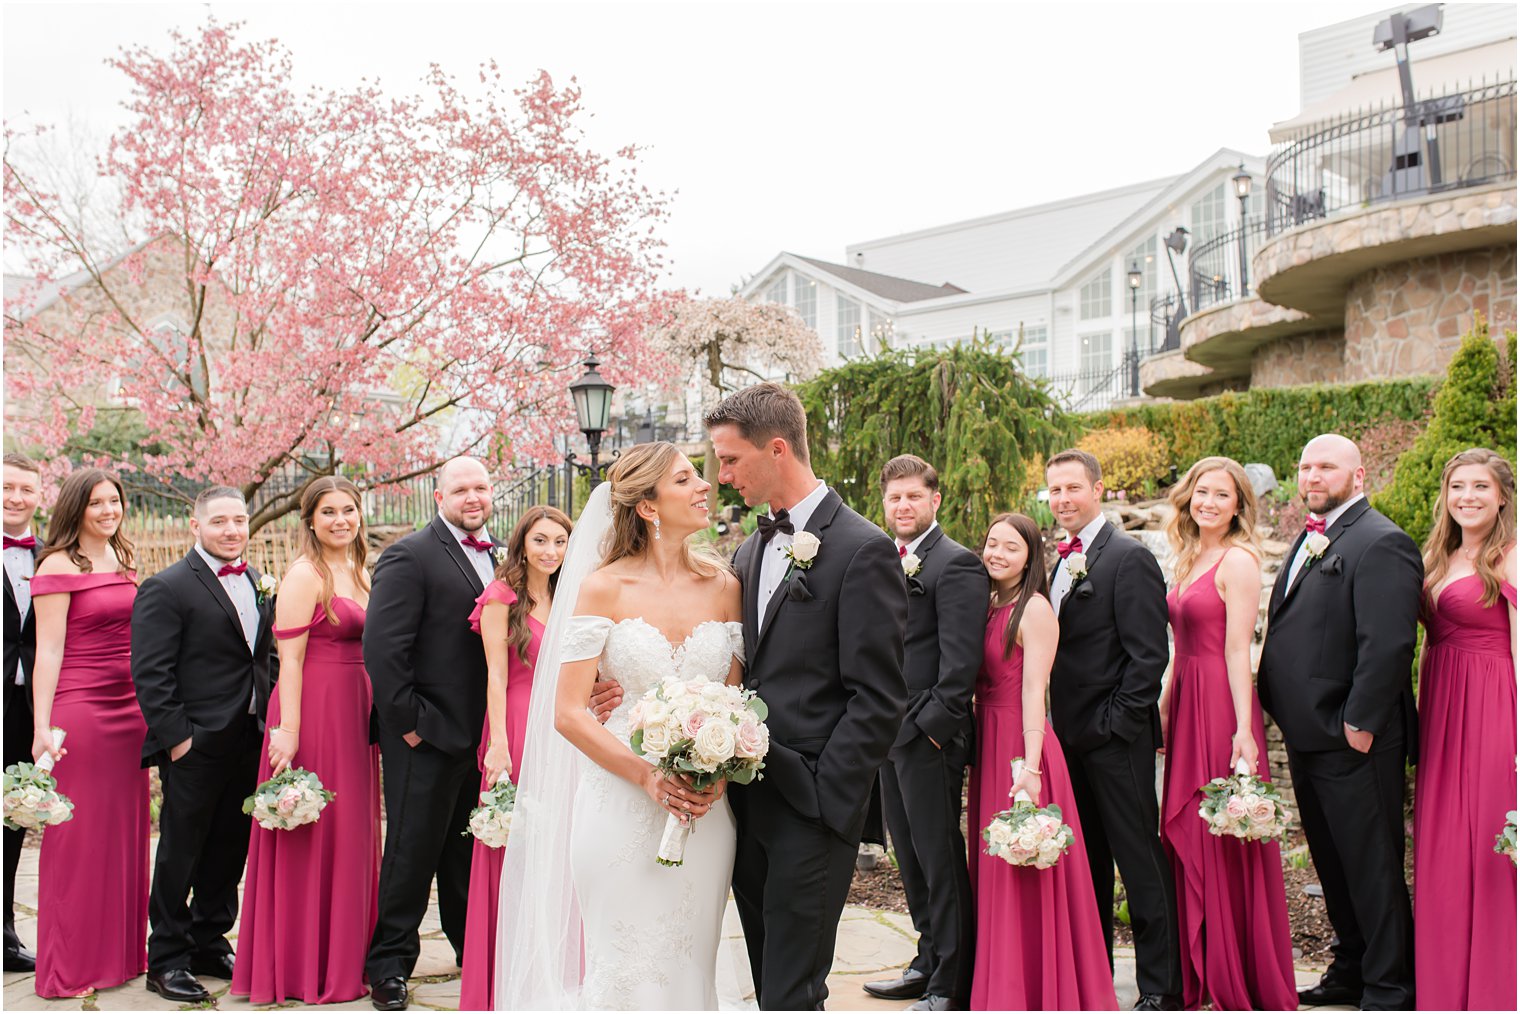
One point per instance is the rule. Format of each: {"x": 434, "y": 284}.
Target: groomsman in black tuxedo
{"x": 922, "y": 780}
{"x": 429, "y": 677}
{"x": 1110, "y": 597}
{"x": 825, "y": 611}
{"x": 1335, "y": 675}
{"x": 23, "y": 492}
{"x": 203, "y": 656}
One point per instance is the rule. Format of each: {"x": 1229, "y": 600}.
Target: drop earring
{"x": 657, "y": 527}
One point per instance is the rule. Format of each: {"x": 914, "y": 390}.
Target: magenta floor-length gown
{"x": 1039, "y": 944}
{"x": 310, "y": 896}
{"x": 1464, "y": 892}
{"x": 477, "y": 984}
{"x": 92, "y": 878}
{"x": 1231, "y": 904}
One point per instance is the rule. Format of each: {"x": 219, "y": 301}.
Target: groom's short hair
{"x": 1087, "y": 461}
{"x": 211, "y": 493}
{"x": 910, "y": 466}
{"x": 763, "y": 412}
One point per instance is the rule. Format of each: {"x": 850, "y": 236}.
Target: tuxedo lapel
{"x": 1342, "y": 523}
{"x": 1105, "y": 532}
{"x": 214, "y": 586}
{"x": 456, "y": 553}
{"x": 748, "y": 560}
{"x": 930, "y": 541}
{"x": 816, "y": 524}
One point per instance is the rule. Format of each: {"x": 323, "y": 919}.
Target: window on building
{"x": 806, "y": 291}
{"x": 1097, "y": 298}
{"x": 847, "y": 326}
{"x": 1035, "y": 352}
{"x": 1144, "y": 255}
{"x": 883, "y": 334}
{"x": 777, "y": 292}
{"x": 1207, "y": 215}
{"x": 1096, "y": 354}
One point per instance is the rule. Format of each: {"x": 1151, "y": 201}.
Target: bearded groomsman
{"x": 1335, "y": 675}
{"x": 1110, "y": 597}
{"x": 922, "y": 780}
{"x": 203, "y": 656}
{"x": 23, "y": 492}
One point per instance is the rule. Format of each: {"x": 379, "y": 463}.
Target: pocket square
{"x": 915, "y": 586}
{"x": 797, "y": 589}
{"x": 1332, "y": 565}
{"x": 1083, "y": 590}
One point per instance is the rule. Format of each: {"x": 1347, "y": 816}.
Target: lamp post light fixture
{"x": 1242, "y": 181}
{"x": 593, "y": 409}
{"x": 1136, "y": 277}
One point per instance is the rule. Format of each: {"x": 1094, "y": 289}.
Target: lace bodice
{"x": 637, "y": 655}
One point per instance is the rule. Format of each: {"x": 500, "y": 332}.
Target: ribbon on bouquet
{"x": 46, "y": 762}
{"x": 1018, "y": 769}
{"x": 1241, "y": 767}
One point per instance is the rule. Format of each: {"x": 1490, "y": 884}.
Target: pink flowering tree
{"x": 729, "y": 343}
{"x": 329, "y": 279}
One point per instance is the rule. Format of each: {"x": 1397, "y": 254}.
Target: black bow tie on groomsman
{"x": 769, "y": 525}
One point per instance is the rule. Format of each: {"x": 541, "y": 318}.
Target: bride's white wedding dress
{"x": 651, "y": 932}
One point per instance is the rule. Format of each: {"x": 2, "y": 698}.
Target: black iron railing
{"x": 1441, "y": 143}
{"x": 1166, "y": 317}
{"x": 1093, "y": 389}
{"x": 1219, "y": 268}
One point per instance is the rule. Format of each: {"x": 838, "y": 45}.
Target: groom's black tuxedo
{"x": 1340, "y": 642}
{"x": 828, "y": 662}
{"x": 1104, "y": 686}
{"x": 20, "y": 649}
{"x": 428, "y": 670}
{"x": 197, "y": 679}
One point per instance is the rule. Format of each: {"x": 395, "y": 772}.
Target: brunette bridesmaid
{"x": 1464, "y": 893}
{"x": 509, "y": 616}
{"x": 1232, "y": 906}
{"x": 1039, "y": 944}
{"x": 92, "y": 889}
{"x": 310, "y": 896}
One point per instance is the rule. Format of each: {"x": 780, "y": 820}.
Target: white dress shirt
{"x": 239, "y": 588}
{"x": 20, "y": 565}
{"x": 912, "y": 547}
{"x": 1061, "y": 584}
{"x": 482, "y": 562}
{"x": 1302, "y": 556}
{"x": 774, "y": 562}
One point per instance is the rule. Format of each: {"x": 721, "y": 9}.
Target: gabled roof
{"x": 49, "y": 293}
{"x": 899, "y": 290}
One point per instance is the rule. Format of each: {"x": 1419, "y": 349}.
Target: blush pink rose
{"x": 1262, "y": 812}
{"x": 1235, "y": 808}
{"x": 693, "y": 723}
{"x": 288, "y": 799}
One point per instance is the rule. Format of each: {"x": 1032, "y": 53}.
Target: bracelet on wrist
{"x": 1035, "y": 732}
{"x": 1033, "y": 771}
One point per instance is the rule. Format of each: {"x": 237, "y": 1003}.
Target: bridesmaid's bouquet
{"x": 491, "y": 822}
{"x": 1244, "y": 806}
{"x": 1028, "y": 835}
{"x": 288, "y": 800}
{"x": 32, "y": 798}
{"x": 704, "y": 730}
{"x": 1504, "y": 841}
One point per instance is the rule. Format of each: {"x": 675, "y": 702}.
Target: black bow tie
{"x": 769, "y": 525}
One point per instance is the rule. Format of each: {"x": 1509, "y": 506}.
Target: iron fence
{"x": 1441, "y": 143}
{"x": 1219, "y": 268}
{"x": 1093, "y": 389}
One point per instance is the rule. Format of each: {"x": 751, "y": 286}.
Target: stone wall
{"x": 1315, "y": 358}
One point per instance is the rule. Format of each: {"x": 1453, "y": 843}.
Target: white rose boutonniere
{"x": 1316, "y": 544}
{"x": 911, "y": 565}
{"x": 1076, "y": 566}
{"x": 803, "y": 550}
{"x": 265, "y": 586}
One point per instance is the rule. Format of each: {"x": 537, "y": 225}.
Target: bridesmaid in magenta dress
{"x": 510, "y": 616}
{"x": 310, "y": 894}
{"x": 1232, "y": 906}
{"x": 1039, "y": 944}
{"x": 1464, "y": 893}
{"x": 92, "y": 890}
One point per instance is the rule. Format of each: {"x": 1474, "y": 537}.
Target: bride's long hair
{"x": 634, "y": 478}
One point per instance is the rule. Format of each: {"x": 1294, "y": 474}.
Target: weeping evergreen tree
{"x": 969, "y": 410}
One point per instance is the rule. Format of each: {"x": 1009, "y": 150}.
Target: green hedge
{"x": 1271, "y": 425}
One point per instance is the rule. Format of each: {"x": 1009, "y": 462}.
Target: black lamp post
{"x": 593, "y": 407}
{"x": 1242, "y": 181}
{"x": 1135, "y": 278}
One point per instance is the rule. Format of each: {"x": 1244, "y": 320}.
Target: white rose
{"x": 911, "y": 563}
{"x": 751, "y": 739}
{"x": 999, "y": 833}
{"x": 804, "y": 547}
{"x": 714, "y": 692}
{"x": 1076, "y": 564}
{"x": 1028, "y": 841}
{"x": 1317, "y": 543}
{"x": 656, "y": 740}
{"x": 715, "y": 742}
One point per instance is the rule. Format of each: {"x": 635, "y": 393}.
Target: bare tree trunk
{"x": 709, "y": 458}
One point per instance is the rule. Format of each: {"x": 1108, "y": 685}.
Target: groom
{"x": 832, "y": 675}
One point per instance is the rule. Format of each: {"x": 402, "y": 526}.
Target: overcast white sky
{"x": 795, "y": 126}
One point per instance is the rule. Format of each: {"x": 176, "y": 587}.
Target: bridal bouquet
{"x": 1028, "y": 835}
{"x": 491, "y": 822}
{"x": 705, "y": 730}
{"x": 1244, "y": 806}
{"x": 32, "y": 798}
{"x": 1504, "y": 841}
{"x": 288, "y": 800}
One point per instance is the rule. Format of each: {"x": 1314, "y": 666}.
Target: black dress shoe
{"x": 177, "y": 984}
{"x": 19, "y": 959}
{"x": 1159, "y": 1001}
{"x": 217, "y": 966}
{"x": 910, "y": 986}
{"x": 1326, "y": 993}
{"x": 389, "y": 994}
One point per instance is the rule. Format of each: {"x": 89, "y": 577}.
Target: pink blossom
{"x": 693, "y": 723}
{"x": 288, "y": 799}
{"x": 1235, "y": 808}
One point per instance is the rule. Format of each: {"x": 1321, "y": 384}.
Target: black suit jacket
{"x": 947, "y": 618}
{"x": 427, "y": 667}
{"x": 20, "y": 639}
{"x": 1340, "y": 641}
{"x": 1113, "y": 650}
{"x": 828, "y": 663}
{"x": 190, "y": 664}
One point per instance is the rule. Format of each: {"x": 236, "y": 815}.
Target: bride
{"x": 637, "y": 602}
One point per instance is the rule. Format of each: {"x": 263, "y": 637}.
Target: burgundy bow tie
{"x": 232, "y": 568}
{"x": 476, "y": 544}
{"x": 1315, "y": 525}
{"x": 902, "y": 551}
{"x": 25, "y": 542}
{"x": 1065, "y": 549}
